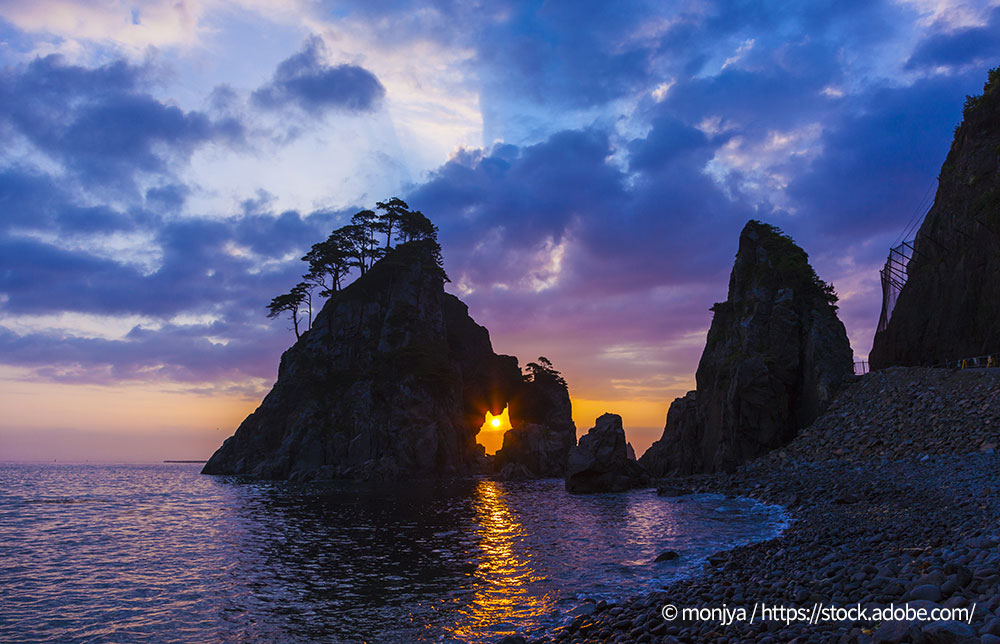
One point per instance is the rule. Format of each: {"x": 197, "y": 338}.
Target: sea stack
{"x": 538, "y": 446}
{"x": 604, "y": 461}
{"x": 775, "y": 355}
{"x": 949, "y": 306}
{"x": 392, "y": 381}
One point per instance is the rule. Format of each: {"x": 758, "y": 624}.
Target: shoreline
{"x": 880, "y": 536}
{"x": 870, "y": 525}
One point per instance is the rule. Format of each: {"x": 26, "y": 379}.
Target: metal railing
{"x": 988, "y": 361}
{"x": 894, "y": 276}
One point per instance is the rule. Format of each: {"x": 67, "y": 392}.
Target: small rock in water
{"x": 669, "y": 555}
{"x": 512, "y": 639}
{"x": 672, "y": 490}
{"x": 583, "y": 610}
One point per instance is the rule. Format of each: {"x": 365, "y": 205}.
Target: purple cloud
{"x": 600, "y": 245}
{"x": 102, "y": 123}
{"x": 305, "y": 81}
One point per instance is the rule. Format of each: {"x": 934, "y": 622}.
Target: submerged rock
{"x": 672, "y": 490}
{"x": 775, "y": 355}
{"x": 600, "y": 463}
{"x": 392, "y": 381}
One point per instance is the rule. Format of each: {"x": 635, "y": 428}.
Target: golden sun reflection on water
{"x": 505, "y": 574}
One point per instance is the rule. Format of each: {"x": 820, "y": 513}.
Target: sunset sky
{"x": 590, "y": 165}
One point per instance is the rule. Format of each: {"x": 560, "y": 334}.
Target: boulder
{"x": 661, "y": 457}
{"x": 949, "y": 632}
{"x": 775, "y": 355}
{"x": 600, "y": 462}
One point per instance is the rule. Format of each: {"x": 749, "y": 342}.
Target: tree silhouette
{"x": 543, "y": 371}
{"x": 329, "y": 262}
{"x": 355, "y": 246}
{"x": 287, "y": 303}
{"x": 303, "y": 291}
{"x": 414, "y": 225}
{"x": 360, "y": 244}
{"x": 393, "y": 212}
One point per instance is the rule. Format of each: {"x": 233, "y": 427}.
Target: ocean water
{"x": 160, "y": 553}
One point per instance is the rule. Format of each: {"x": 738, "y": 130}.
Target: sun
{"x": 491, "y": 432}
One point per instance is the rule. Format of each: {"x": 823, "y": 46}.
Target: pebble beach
{"x": 895, "y": 499}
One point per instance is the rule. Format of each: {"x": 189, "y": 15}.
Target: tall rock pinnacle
{"x": 775, "y": 355}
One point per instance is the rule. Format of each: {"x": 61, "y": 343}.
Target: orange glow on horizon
{"x": 491, "y": 433}
{"x": 643, "y": 419}
{"x": 126, "y": 422}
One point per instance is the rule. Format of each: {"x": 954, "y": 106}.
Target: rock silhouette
{"x": 775, "y": 355}
{"x": 392, "y": 381}
{"x": 601, "y": 463}
{"x": 545, "y": 432}
{"x": 950, "y": 304}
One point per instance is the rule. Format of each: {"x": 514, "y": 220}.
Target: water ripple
{"x": 159, "y": 553}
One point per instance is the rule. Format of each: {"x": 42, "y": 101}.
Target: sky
{"x": 164, "y": 164}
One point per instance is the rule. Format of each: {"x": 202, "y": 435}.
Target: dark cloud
{"x": 599, "y": 252}
{"x": 880, "y": 159}
{"x": 304, "y": 80}
{"x": 168, "y": 198}
{"x": 669, "y": 141}
{"x": 63, "y": 233}
{"x": 576, "y": 53}
{"x": 205, "y": 264}
{"x": 497, "y": 209}
{"x": 223, "y": 269}
{"x": 31, "y": 200}
{"x": 101, "y": 123}
{"x": 958, "y": 47}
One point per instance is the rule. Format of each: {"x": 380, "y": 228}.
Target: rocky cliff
{"x": 949, "y": 307}
{"x": 775, "y": 355}
{"x": 543, "y": 431}
{"x": 393, "y": 380}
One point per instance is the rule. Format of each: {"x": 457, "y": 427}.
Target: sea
{"x": 161, "y": 553}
